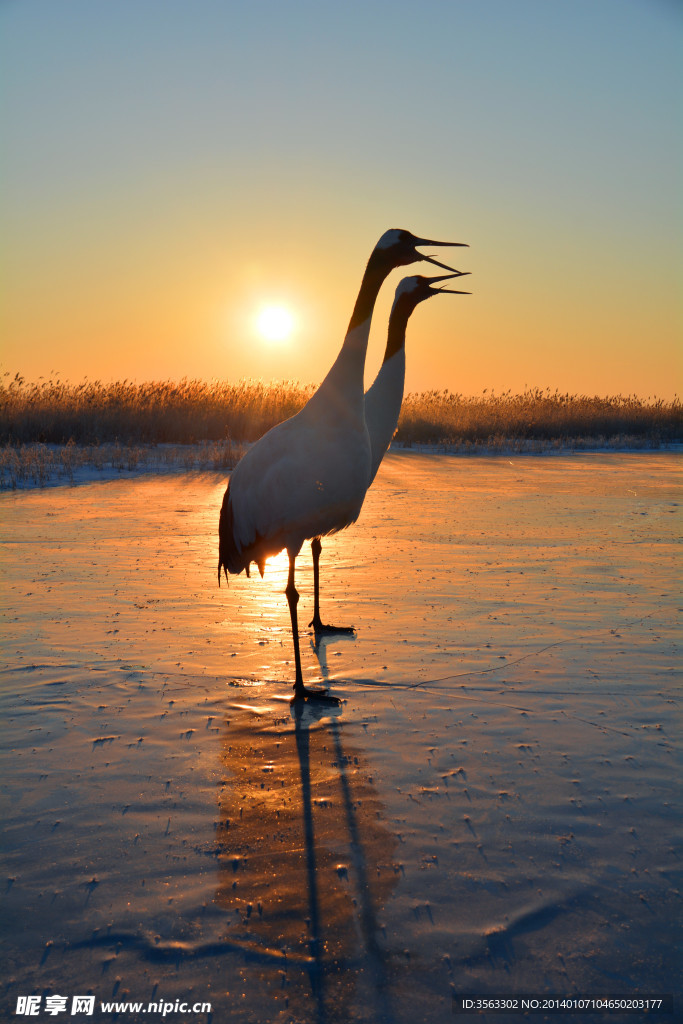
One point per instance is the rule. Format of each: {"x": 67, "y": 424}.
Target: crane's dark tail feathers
{"x": 228, "y": 555}
{"x": 232, "y": 558}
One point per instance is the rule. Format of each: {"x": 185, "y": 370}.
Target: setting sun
{"x": 275, "y": 323}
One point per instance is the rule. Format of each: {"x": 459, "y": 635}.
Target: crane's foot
{"x": 322, "y": 629}
{"x": 309, "y": 693}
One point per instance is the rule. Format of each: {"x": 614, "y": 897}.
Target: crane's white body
{"x": 306, "y": 477}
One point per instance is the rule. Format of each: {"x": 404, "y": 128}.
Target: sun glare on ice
{"x": 279, "y": 562}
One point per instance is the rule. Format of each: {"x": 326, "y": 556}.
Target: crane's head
{"x": 397, "y": 247}
{"x": 413, "y": 290}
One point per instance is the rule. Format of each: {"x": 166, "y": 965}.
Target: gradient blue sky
{"x": 169, "y": 167}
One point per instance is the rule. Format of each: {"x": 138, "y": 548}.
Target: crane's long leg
{"x": 316, "y": 622}
{"x": 293, "y": 600}
{"x": 300, "y": 691}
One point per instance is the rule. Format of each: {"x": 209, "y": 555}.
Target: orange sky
{"x": 153, "y": 202}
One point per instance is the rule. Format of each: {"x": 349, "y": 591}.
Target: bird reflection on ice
{"x": 306, "y": 860}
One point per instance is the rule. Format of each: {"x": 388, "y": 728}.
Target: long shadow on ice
{"x": 306, "y": 862}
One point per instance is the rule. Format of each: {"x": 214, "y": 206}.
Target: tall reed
{"x": 94, "y": 413}
{"x": 443, "y": 417}
{"x": 54, "y": 411}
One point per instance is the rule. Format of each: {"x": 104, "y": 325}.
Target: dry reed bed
{"x": 157, "y": 412}
{"x": 163, "y": 412}
{"x": 54, "y": 429}
{"x": 537, "y": 415}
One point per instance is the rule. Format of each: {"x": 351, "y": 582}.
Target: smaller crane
{"x": 383, "y": 400}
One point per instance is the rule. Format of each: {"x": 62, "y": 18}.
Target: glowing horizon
{"x": 147, "y": 217}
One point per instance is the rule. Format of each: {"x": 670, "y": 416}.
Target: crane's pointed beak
{"x": 448, "y": 277}
{"x": 430, "y": 259}
{"x": 430, "y": 241}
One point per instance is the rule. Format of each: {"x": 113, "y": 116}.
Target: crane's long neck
{"x": 383, "y": 400}
{"x": 345, "y": 378}
{"x": 375, "y": 274}
{"x": 398, "y": 322}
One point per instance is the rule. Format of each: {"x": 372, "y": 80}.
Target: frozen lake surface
{"x": 494, "y": 808}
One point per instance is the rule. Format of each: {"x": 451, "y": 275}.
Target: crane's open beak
{"x": 430, "y": 259}
{"x": 448, "y": 277}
